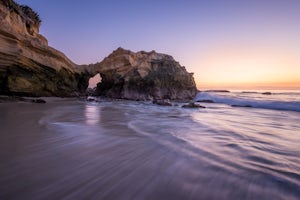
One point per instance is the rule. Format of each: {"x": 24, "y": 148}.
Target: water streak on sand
{"x": 137, "y": 150}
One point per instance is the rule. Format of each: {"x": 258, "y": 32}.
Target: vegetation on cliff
{"x": 29, "y": 16}
{"x": 28, "y": 66}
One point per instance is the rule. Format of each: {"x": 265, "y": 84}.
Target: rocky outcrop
{"x": 143, "y": 76}
{"x": 162, "y": 102}
{"x": 192, "y": 105}
{"x": 28, "y": 66}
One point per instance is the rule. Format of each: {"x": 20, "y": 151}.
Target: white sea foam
{"x": 255, "y": 100}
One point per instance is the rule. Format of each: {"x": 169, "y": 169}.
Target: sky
{"x": 228, "y": 44}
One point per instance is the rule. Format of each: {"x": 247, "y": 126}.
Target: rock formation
{"x": 143, "y": 76}
{"x": 28, "y": 66}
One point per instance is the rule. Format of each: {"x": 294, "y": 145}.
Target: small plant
{"x": 11, "y": 5}
{"x": 32, "y": 15}
{"x": 28, "y": 15}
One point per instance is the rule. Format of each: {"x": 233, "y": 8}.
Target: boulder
{"x": 91, "y": 99}
{"x": 38, "y": 101}
{"x": 162, "y": 102}
{"x": 205, "y": 101}
{"x": 143, "y": 76}
{"x": 192, "y": 105}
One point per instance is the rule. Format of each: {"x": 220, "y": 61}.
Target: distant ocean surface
{"x": 274, "y": 100}
{"x": 138, "y": 150}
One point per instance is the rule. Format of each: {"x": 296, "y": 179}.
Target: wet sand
{"x": 42, "y": 163}
{"x": 67, "y": 149}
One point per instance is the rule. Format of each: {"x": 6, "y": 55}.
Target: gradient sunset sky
{"x": 228, "y": 44}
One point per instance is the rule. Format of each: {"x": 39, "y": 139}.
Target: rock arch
{"x": 94, "y": 80}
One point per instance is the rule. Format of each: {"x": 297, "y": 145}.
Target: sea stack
{"x": 28, "y": 66}
{"x": 143, "y": 76}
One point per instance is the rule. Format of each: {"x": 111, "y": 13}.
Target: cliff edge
{"x": 28, "y": 66}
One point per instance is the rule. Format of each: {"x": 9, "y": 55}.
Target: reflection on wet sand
{"x": 129, "y": 151}
{"x": 92, "y": 114}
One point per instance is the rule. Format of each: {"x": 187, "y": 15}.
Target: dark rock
{"x": 266, "y": 93}
{"x": 243, "y": 106}
{"x": 192, "y": 105}
{"x": 91, "y": 91}
{"x": 91, "y": 99}
{"x": 206, "y": 101}
{"x": 217, "y": 91}
{"x": 162, "y": 102}
{"x": 37, "y": 101}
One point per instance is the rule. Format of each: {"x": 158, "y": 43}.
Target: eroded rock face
{"x": 28, "y": 66}
{"x": 143, "y": 76}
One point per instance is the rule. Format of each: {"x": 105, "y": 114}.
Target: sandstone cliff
{"x": 143, "y": 76}
{"x": 28, "y": 66}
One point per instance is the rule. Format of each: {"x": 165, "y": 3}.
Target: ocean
{"x": 245, "y": 145}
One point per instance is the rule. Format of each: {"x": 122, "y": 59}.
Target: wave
{"x": 237, "y": 101}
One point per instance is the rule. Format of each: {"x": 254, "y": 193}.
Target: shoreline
{"x": 68, "y": 149}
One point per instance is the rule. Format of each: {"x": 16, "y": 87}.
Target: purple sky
{"x": 206, "y": 36}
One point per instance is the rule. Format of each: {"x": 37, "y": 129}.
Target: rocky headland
{"x": 29, "y": 67}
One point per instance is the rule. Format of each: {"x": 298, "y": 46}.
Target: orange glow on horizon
{"x": 250, "y": 86}
{"x": 248, "y": 68}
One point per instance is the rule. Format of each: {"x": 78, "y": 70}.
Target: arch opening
{"x": 93, "y": 81}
